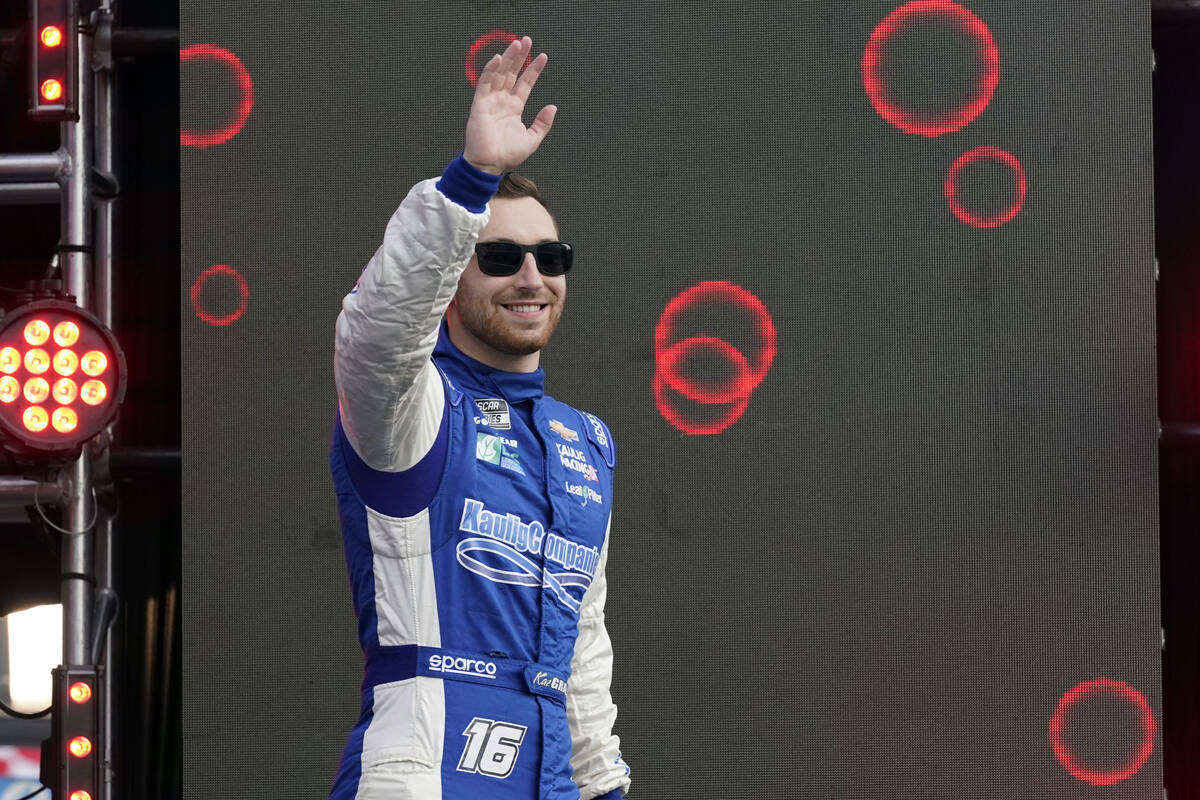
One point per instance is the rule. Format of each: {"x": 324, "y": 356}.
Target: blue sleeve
{"x": 467, "y": 186}
{"x": 397, "y": 494}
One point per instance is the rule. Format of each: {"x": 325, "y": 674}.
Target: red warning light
{"x": 1071, "y": 760}
{"x": 51, "y": 36}
{"x": 51, "y": 90}
{"x": 80, "y": 692}
{"x": 941, "y": 121}
{"x": 724, "y": 401}
{"x": 80, "y": 794}
{"x": 80, "y": 746}
{"x": 210, "y": 52}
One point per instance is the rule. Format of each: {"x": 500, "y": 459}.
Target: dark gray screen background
{"x": 937, "y": 515}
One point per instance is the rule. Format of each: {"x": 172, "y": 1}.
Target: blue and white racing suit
{"x": 475, "y": 515}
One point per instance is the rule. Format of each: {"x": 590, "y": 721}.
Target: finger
{"x": 487, "y": 75}
{"x": 543, "y": 122}
{"x": 529, "y": 77}
{"x": 514, "y": 59}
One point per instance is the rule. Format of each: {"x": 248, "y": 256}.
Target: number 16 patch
{"x": 492, "y": 747}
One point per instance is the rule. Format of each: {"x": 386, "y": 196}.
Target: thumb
{"x": 542, "y": 123}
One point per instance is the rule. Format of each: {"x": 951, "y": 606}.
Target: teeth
{"x": 525, "y": 309}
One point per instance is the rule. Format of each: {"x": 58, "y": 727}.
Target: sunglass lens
{"x": 499, "y": 258}
{"x": 554, "y": 258}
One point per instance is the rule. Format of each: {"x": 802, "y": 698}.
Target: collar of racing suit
{"x": 515, "y": 387}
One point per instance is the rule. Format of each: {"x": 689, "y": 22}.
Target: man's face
{"x": 504, "y": 322}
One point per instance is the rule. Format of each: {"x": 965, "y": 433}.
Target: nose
{"x": 528, "y": 275}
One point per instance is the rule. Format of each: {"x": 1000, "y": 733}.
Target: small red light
{"x": 93, "y": 362}
{"x": 10, "y": 360}
{"x": 37, "y": 360}
{"x": 66, "y": 333}
{"x": 37, "y": 331}
{"x": 65, "y": 391}
{"x": 66, "y": 362}
{"x": 35, "y": 418}
{"x": 80, "y": 692}
{"x": 80, "y": 794}
{"x": 93, "y": 392}
{"x": 37, "y": 390}
{"x": 64, "y": 420}
{"x": 10, "y": 389}
{"x": 51, "y": 36}
{"x": 51, "y": 90}
{"x": 80, "y": 746}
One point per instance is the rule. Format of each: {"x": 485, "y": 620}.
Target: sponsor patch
{"x": 574, "y": 459}
{"x": 499, "y": 451}
{"x": 499, "y": 543}
{"x": 493, "y": 412}
{"x": 563, "y": 431}
{"x": 598, "y": 429}
{"x": 585, "y": 494}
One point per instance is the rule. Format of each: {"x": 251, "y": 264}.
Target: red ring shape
{"x": 1068, "y": 759}
{"x": 669, "y": 363}
{"x": 235, "y": 65}
{"x": 243, "y": 291}
{"x": 727, "y": 418}
{"x": 951, "y": 187}
{"x": 488, "y": 39}
{"x": 943, "y": 122}
{"x": 710, "y": 291}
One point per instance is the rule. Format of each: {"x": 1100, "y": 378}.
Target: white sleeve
{"x": 595, "y": 749}
{"x": 389, "y": 393}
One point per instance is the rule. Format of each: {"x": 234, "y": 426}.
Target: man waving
{"x": 474, "y": 508}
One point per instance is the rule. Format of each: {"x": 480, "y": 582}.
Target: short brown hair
{"x": 513, "y": 186}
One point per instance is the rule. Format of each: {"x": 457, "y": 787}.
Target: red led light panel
{"x": 54, "y": 397}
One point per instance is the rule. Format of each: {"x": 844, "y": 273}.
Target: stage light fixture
{"x": 62, "y": 377}
{"x": 71, "y": 756}
{"x": 53, "y": 25}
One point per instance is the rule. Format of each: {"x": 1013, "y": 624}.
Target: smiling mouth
{"x": 524, "y": 308}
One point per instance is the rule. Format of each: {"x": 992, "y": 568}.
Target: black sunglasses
{"x": 499, "y": 259}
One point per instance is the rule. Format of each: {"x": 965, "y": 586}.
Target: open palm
{"x": 496, "y": 137}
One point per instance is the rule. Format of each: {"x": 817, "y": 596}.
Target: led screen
{"x": 863, "y": 291}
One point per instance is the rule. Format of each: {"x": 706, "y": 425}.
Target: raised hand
{"x": 497, "y": 139}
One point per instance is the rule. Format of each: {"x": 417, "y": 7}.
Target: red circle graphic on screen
{"x": 952, "y": 187}
{"x": 726, "y": 400}
{"x": 221, "y": 56}
{"x": 490, "y": 39}
{"x": 230, "y": 277}
{"x": 942, "y": 121}
{"x": 1071, "y": 761}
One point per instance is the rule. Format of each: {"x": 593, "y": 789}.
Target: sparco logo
{"x": 550, "y": 682}
{"x": 462, "y": 666}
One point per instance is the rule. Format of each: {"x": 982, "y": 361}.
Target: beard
{"x": 486, "y": 321}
